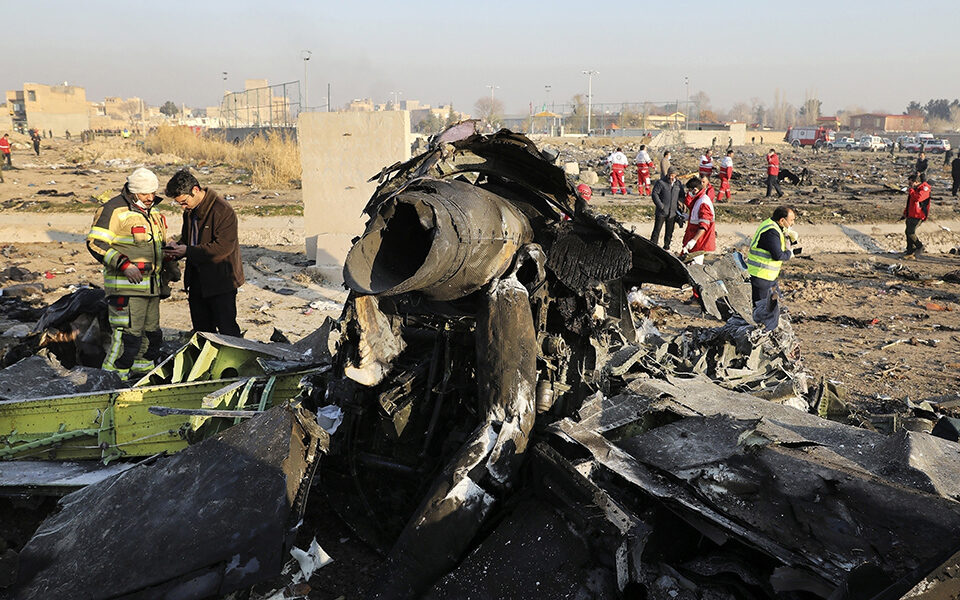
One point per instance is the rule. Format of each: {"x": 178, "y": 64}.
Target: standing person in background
{"x": 916, "y": 212}
{"x": 618, "y": 164}
{"x": 955, "y": 172}
{"x": 644, "y": 165}
{"x": 773, "y": 169}
{"x": 701, "y": 234}
{"x": 706, "y": 164}
{"x": 35, "y": 138}
{"x": 665, "y": 163}
{"x": 921, "y": 167}
{"x": 948, "y": 157}
{"x": 210, "y": 243}
{"x": 5, "y": 149}
{"x": 726, "y": 172}
{"x": 667, "y": 192}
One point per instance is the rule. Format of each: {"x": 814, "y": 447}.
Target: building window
{"x": 31, "y": 96}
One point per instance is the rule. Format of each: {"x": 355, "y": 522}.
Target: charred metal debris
{"x": 501, "y": 419}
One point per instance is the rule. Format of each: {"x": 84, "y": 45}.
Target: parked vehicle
{"x": 911, "y": 145}
{"x": 887, "y": 143}
{"x": 815, "y": 137}
{"x": 871, "y": 143}
{"x": 936, "y": 146}
{"x": 844, "y": 143}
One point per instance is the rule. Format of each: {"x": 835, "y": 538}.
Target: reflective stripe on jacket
{"x": 123, "y": 232}
{"x": 759, "y": 262}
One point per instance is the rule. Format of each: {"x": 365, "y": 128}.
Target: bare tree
{"x": 782, "y": 113}
{"x": 740, "y": 112}
{"x": 490, "y": 110}
{"x": 702, "y": 101}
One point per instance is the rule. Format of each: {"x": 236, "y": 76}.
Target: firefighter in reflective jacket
{"x": 773, "y": 243}
{"x": 127, "y": 238}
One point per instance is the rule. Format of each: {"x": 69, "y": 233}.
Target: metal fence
{"x": 271, "y": 106}
{"x": 605, "y": 116}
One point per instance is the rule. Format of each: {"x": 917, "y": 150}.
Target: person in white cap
{"x": 127, "y": 238}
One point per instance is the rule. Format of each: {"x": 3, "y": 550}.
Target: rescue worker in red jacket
{"x": 773, "y": 170}
{"x": 618, "y": 163}
{"x": 726, "y": 172}
{"x": 701, "y": 234}
{"x": 644, "y": 167}
{"x": 586, "y": 192}
{"x": 706, "y": 164}
{"x": 5, "y": 149}
{"x": 916, "y": 212}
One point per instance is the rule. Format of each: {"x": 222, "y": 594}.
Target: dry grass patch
{"x": 273, "y": 161}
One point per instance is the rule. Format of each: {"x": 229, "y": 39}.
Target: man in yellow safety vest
{"x": 773, "y": 243}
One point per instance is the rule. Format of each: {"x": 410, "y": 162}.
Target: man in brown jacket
{"x": 210, "y": 244}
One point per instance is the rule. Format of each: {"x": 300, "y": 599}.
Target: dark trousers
{"x": 773, "y": 182}
{"x": 214, "y": 314}
{"x": 36, "y": 147}
{"x": 766, "y": 302}
{"x": 666, "y": 222}
{"x": 6, "y": 156}
{"x": 955, "y": 187}
{"x": 913, "y": 242}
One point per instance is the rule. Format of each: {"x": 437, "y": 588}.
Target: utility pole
{"x": 686, "y": 120}
{"x": 492, "y": 88}
{"x": 590, "y": 75}
{"x": 328, "y": 97}
{"x": 305, "y": 55}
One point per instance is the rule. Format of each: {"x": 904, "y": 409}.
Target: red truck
{"x": 817, "y": 137}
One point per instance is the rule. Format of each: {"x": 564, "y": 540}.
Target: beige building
{"x": 6, "y": 119}
{"x": 117, "y": 113}
{"x": 57, "y": 108}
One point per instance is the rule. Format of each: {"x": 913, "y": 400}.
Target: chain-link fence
{"x": 271, "y": 106}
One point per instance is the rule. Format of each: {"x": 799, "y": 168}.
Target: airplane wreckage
{"x": 493, "y": 416}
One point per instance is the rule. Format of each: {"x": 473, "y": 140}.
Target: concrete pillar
{"x": 339, "y": 151}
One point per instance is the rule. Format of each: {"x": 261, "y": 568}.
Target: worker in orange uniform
{"x": 706, "y": 163}
{"x": 916, "y": 212}
{"x": 726, "y": 172}
{"x": 644, "y": 166}
{"x": 701, "y": 233}
{"x": 618, "y": 164}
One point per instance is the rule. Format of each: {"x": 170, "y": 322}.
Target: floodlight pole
{"x": 590, "y": 75}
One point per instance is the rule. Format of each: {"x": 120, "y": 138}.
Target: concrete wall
{"x": 6, "y": 122}
{"x": 339, "y": 152}
{"x": 59, "y": 108}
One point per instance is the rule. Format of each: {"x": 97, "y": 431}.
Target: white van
{"x": 873, "y": 143}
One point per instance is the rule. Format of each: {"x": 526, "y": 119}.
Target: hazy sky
{"x": 877, "y": 55}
